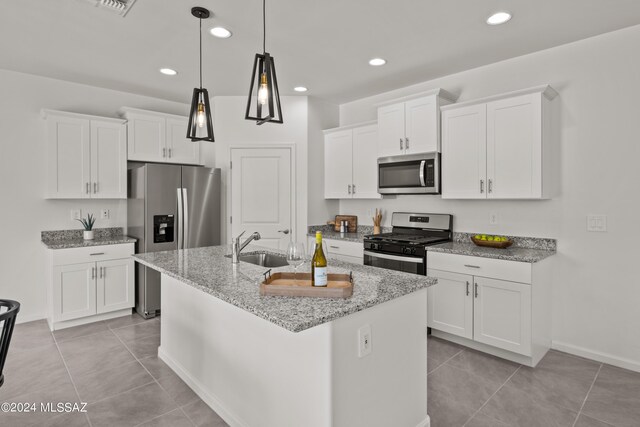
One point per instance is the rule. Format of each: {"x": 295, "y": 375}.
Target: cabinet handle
{"x": 467, "y": 288}
{"x": 87, "y": 189}
{"x": 169, "y": 152}
{"x": 476, "y": 290}
{"x": 164, "y": 152}
{"x": 354, "y": 189}
{"x": 490, "y": 186}
{"x": 349, "y": 188}
{"x": 400, "y": 143}
{"x": 481, "y": 186}
{"x": 334, "y": 247}
{"x": 93, "y": 272}
{"x": 406, "y": 143}
{"x": 97, "y": 253}
{"x": 100, "y": 272}
{"x": 472, "y": 266}
{"x": 95, "y": 187}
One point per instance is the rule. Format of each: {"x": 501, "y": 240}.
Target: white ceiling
{"x": 324, "y": 45}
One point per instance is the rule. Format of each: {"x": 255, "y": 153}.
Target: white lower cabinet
{"x": 483, "y": 310}
{"x": 342, "y": 250}
{"x": 90, "y": 284}
{"x": 450, "y": 305}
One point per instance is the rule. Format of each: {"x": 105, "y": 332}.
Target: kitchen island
{"x": 286, "y": 361}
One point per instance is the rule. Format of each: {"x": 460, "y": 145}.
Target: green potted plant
{"x": 87, "y": 223}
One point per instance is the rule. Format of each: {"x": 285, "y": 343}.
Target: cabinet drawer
{"x": 91, "y": 254}
{"x": 483, "y": 267}
{"x": 338, "y": 247}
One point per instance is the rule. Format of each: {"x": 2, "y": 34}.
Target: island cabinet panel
{"x": 255, "y": 373}
{"x": 497, "y": 306}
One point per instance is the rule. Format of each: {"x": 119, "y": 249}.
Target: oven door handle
{"x": 395, "y": 257}
{"x": 422, "y": 165}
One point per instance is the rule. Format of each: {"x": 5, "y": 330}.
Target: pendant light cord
{"x": 264, "y": 27}
{"x": 200, "y": 53}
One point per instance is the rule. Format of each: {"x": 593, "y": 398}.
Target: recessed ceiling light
{"x": 376, "y": 62}
{"x": 168, "y": 71}
{"x": 220, "y": 32}
{"x": 300, "y": 89}
{"x": 499, "y": 18}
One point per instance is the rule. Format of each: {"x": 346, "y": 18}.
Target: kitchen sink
{"x": 263, "y": 259}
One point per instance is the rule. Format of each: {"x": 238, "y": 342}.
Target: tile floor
{"x": 472, "y": 389}
{"x": 113, "y": 366}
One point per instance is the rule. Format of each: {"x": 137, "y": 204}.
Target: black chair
{"x": 7, "y": 322}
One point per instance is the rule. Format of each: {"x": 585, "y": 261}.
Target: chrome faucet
{"x": 237, "y": 247}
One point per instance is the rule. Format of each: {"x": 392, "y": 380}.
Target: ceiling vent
{"x": 120, "y": 7}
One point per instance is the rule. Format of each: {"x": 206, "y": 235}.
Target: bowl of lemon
{"x": 489, "y": 241}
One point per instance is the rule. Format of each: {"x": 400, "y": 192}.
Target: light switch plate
{"x": 493, "y": 218}
{"x": 75, "y": 214}
{"x": 104, "y": 214}
{"x": 597, "y": 223}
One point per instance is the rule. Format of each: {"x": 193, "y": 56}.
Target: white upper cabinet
{"x": 500, "y": 147}
{"x": 159, "y": 137}
{"x": 464, "y": 152}
{"x": 350, "y": 163}
{"x": 411, "y": 125}
{"x": 86, "y": 156}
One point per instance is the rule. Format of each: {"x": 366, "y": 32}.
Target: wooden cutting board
{"x": 352, "y": 221}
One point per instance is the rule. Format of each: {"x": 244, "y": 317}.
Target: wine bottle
{"x": 318, "y": 264}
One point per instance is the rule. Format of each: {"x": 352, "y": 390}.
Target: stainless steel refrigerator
{"x": 169, "y": 207}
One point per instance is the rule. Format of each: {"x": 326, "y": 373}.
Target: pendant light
{"x": 265, "y": 95}
{"x": 200, "y": 115}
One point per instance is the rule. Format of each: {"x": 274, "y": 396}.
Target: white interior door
{"x": 261, "y": 194}
{"x": 450, "y": 303}
{"x": 108, "y": 160}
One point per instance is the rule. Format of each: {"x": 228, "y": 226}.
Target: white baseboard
{"x": 213, "y": 402}
{"x": 30, "y": 318}
{"x": 596, "y": 355}
{"x": 425, "y": 423}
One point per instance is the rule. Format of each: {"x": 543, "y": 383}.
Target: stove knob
{"x": 406, "y": 251}
{"x": 413, "y": 251}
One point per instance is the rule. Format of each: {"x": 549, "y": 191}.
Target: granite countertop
{"x": 512, "y": 253}
{"x": 208, "y": 270}
{"x": 67, "y": 239}
{"x": 328, "y": 232}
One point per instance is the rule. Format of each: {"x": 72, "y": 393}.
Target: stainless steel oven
{"x": 411, "y": 174}
{"x": 406, "y": 263}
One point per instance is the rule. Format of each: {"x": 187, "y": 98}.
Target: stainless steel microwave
{"x": 410, "y": 174}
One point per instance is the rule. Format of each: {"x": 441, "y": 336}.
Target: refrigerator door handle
{"x": 185, "y": 226}
{"x": 180, "y": 215}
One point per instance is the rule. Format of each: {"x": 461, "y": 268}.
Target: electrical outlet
{"x": 364, "y": 341}
{"x": 104, "y": 214}
{"x": 76, "y": 214}
{"x": 493, "y": 218}
{"x": 597, "y": 223}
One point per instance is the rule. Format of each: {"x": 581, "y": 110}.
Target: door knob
{"x": 284, "y": 231}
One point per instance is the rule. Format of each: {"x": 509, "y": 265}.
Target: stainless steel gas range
{"x": 404, "y": 248}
